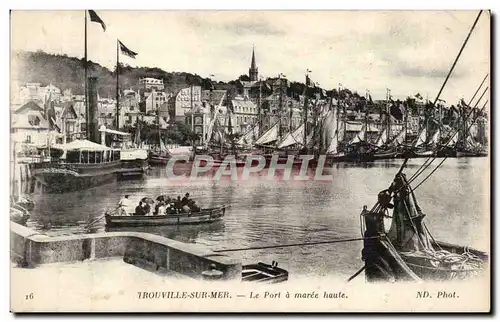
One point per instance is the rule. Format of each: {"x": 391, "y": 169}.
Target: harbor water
{"x": 264, "y": 212}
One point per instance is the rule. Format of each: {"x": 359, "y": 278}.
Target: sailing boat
{"x": 385, "y": 147}
{"x": 332, "y": 136}
{"x": 359, "y": 149}
{"x": 407, "y": 250}
{"x": 388, "y": 149}
{"x": 161, "y": 155}
{"x": 421, "y": 145}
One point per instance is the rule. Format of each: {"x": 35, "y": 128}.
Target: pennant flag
{"x": 95, "y": 18}
{"x": 419, "y": 96}
{"x": 126, "y": 51}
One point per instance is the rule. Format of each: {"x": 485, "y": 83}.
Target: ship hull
{"x": 61, "y": 177}
{"x": 59, "y": 182}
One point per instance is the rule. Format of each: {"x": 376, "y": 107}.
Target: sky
{"x": 408, "y": 52}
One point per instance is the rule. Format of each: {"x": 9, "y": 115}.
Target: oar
{"x": 356, "y": 274}
{"x": 99, "y": 218}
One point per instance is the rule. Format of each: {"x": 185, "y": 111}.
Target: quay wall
{"x": 30, "y": 249}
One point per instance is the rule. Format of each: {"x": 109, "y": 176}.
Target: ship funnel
{"x": 93, "y": 111}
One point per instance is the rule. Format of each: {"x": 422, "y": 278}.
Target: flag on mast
{"x": 95, "y": 18}
{"x": 126, "y": 51}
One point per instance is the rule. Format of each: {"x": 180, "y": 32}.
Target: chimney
{"x": 93, "y": 112}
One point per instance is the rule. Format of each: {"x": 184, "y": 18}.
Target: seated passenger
{"x": 185, "y": 199}
{"x": 171, "y": 209}
{"x": 162, "y": 209}
{"x": 139, "y": 210}
{"x": 178, "y": 203}
{"x": 194, "y": 207}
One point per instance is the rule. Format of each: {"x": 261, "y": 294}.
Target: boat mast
{"x": 388, "y": 114}
{"x": 87, "y": 118}
{"x": 259, "y": 119}
{"x": 280, "y": 112}
{"x": 117, "y": 85}
{"x": 305, "y": 107}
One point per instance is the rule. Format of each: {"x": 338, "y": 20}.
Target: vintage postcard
{"x": 250, "y": 161}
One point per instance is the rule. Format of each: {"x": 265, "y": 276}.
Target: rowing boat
{"x": 264, "y": 273}
{"x": 204, "y": 216}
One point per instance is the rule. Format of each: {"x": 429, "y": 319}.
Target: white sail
{"x": 360, "y": 136}
{"x": 382, "y": 139}
{"x": 400, "y": 138}
{"x": 214, "y": 119}
{"x": 249, "y": 137}
{"x": 329, "y": 127}
{"x": 332, "y": 148}
{"x": 295, "y": 137}
{"x": 453, "y": 140}
{"x": 422, "y": 138}
{"x": 435, "y": 138}
{"x": 470, "y": 143}
{"x": 269, "y": 136}
{"x": 162, "y": 146}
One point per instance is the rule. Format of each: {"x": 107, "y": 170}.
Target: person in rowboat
{"x": 185, "y": 200}
{"x": 139, "y": 210}
{"x": 178, "y": 204}
{"x": 162, "y": 209}
{"x": 124, "y": 206}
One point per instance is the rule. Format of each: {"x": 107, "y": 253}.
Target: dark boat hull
{"x": 203, "y": 217}
{"x": 263, "y": 273}
{"x": 384, "y": 263}
{"x": 470, "y": 154}
{"x": 132, "y": 169}
{"x": 158, "y": 159}
{"x": 59, "y": 183}
{"x": 63, "y": 177}
{"x": 385, "y": 155}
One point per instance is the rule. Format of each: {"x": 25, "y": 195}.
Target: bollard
{"x": 213, "y": 274}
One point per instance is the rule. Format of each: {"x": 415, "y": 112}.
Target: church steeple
{"x": 253, "y": 72}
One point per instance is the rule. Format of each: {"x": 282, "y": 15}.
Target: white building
{"x": 184, "y": 101}
{"x": 38, "y": 94}
{"x": 154, "y": 101}
{"x": 30, "y": 126}
{"x": 152, "y": 83}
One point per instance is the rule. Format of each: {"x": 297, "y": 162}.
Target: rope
{"x": 293, "y": 245}
{"x": 454, "y": 63}
{"x": 444, "y": 159}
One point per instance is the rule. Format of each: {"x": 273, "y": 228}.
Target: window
{"x": 84, "y": 157}
{"x": 92, "y": 156}
{"x": 28, "y": 138}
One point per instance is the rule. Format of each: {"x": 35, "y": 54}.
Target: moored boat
{"x": 206, "y": 215}
{"x": 264, "y": 273}
{"x": 407, "y": 250}
{"x": 78, "y": 165}
{"x": 19, "y": 214}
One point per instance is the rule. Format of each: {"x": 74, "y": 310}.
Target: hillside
{"x": 68, "y": 73}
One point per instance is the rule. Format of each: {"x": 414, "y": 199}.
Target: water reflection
{"x": 272, "y": 211}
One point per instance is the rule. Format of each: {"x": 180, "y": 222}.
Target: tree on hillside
{"x": 244, "y": 78}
